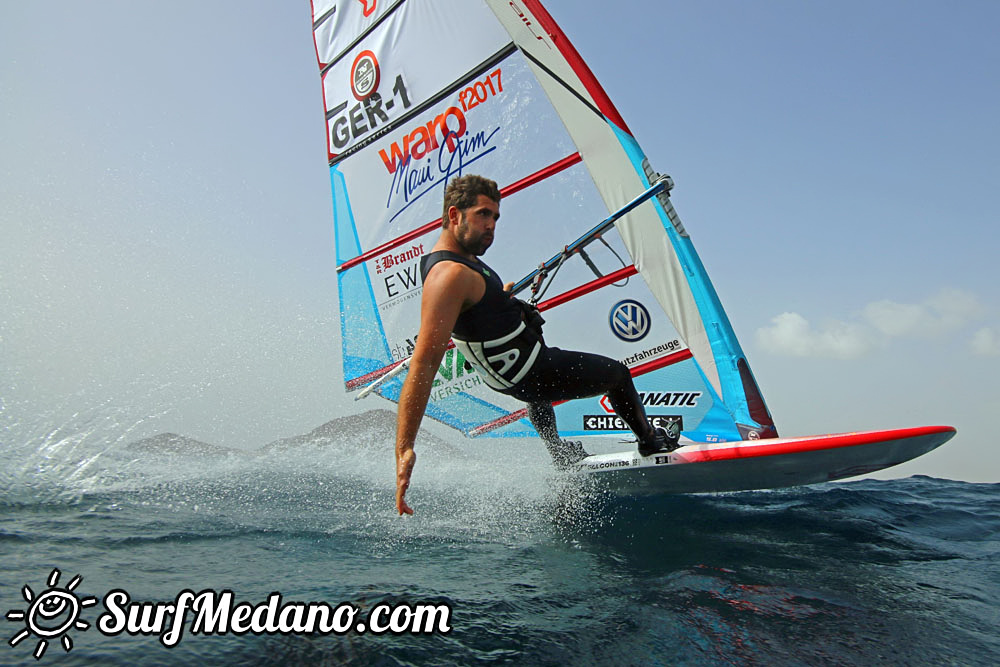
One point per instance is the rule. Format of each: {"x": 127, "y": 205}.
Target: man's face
{"x": 475, "y": 228}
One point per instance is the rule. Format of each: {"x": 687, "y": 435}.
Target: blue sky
{"x": 167, "y": 256}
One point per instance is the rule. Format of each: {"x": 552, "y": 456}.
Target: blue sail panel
{"x": 362, "y": 337}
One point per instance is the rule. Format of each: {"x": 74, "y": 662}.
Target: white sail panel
{"x": 401, "y": 63}
{"x": 403, "y": 193}
{"x": 337, "y": 23}
{"x": 614, "y": 173}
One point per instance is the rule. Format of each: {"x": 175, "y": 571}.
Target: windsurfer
{"x": 463, "y": 299}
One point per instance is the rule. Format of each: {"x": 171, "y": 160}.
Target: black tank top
{"x": 493, "y": 316}
{"x": 491, "y": 334}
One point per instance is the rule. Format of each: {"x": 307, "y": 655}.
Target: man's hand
{"x": 404, "y": 468}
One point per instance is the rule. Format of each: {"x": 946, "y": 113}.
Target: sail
{"x": 421, "y": 91}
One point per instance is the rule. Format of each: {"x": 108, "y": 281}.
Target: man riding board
{"x": 463, "y": 299}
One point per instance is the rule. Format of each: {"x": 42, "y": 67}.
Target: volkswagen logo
{"x": 629, "y": 320}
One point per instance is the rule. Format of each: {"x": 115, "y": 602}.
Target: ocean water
{"x": 536, "y": 568}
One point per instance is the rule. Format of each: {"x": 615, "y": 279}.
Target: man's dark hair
{"x": 464, "y": 191}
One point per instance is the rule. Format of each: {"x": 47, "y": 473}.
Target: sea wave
{"x": 538, "y": 568}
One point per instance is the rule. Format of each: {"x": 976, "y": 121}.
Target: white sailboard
{"x": 420, "y": 91}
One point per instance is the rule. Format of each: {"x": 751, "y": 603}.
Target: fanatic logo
{"x": 51, "y": 615}
{"x": 629, "y": 320}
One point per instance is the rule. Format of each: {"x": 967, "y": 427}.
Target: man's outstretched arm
{"x": 446, "y": 289}
{"x": 412, "y": 404}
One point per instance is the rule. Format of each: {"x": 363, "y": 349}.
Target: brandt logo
{"x": 629, "y": 320}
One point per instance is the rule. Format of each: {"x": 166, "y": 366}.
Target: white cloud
{"x": 942, "y": 314}
{"x": 956, "y": 308}
{"x": 791, "y": 334}
{"x": 896, "y": 319}
{"x": 986, "y": 342}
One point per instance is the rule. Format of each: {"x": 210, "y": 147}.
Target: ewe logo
{"x": 51, "y": 615}
{"x": 629, "y": 320}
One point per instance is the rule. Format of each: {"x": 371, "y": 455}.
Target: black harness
{"x": 492, "y": 334}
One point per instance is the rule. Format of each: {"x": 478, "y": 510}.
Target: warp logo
{"x": 629, "y": 320}
{"x": 430, "y": 152}
{"x": 369, "y": 7}
{"x": 413, "y": 179}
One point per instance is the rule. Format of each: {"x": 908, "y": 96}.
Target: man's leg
{"x": 543, "y": 418}
{"x": 628, "y": 405}
{"x": 565, "y": 375}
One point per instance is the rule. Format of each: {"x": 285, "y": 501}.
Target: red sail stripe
{"x": 576, "y": 61}
{"x": 587, "y": 288}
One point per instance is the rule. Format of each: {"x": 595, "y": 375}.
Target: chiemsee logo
{"x": 53, "y": 613}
